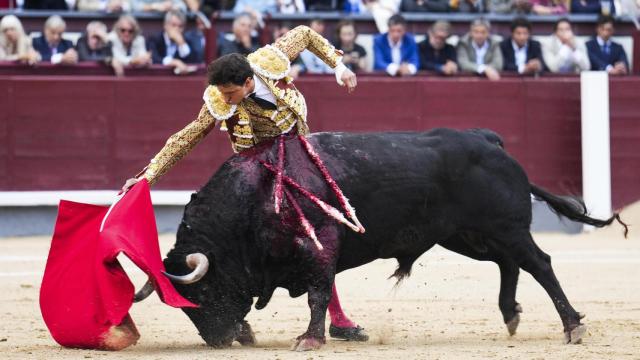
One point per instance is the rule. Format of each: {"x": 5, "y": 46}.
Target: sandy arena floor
{"x": 446, "y": 310}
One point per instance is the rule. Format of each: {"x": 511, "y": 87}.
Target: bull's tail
{"x": 574, "y": 209}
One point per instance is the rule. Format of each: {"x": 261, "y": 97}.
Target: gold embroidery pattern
{"x": 179, "y": 144}
{"x": 270, "y": 62}
{"x": 301, "y": 38}
{"x": 242, "y": 132}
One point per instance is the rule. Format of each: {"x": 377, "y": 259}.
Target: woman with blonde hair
{"x": 15, "y": 45}
{"x": 128, "y": 44}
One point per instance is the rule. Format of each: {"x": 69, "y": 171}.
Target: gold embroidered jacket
{"x": 247, "y": 123}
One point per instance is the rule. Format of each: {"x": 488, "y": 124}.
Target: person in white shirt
{"x": 479, "y": 52}
{"x": 563, "y": 53}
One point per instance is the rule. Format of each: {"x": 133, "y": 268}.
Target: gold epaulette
{"x": 218, "y": 108}
{"x": 270, "y": 62}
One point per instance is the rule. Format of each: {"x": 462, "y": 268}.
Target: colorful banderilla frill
{"x": 281, "y": 179}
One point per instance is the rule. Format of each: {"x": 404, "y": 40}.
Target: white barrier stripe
{"x": 98, "y": 197}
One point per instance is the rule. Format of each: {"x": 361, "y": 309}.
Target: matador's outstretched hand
{"x": 349, "y": 79}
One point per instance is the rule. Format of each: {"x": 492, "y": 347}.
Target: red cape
{"x": 85, "y": 293}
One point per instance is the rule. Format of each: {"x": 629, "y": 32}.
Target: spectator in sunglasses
{"x": 128, "y": 44}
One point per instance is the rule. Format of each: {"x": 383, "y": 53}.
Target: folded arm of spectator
{"x": 585, "y": 6}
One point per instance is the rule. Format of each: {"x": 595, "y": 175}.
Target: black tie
{"x": 262, "y": 102}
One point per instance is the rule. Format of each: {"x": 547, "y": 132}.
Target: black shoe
{"x": 350, "y": 334}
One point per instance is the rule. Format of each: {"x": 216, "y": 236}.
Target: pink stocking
{"x": 338, "y": 317}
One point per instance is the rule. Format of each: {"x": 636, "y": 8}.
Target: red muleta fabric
{"x": 85, "y": 293}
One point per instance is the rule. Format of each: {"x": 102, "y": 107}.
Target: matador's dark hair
{"x": 229, "y": 69}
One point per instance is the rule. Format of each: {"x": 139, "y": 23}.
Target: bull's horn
{"x": 144, "y": 293}
{"x": 196, "y": 261}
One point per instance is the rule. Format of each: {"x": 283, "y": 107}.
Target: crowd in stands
{"x": 395, "y": 50}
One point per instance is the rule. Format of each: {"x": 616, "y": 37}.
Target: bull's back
{"x": 411, "y": 189}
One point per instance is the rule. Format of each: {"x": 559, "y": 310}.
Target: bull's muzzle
{"x": 196, "y": 261}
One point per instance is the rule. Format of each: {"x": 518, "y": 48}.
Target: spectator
{"x": 563, "y": 53}
{"x": 468, "y": 6}
{"x": 48, "y": 4}
{"x": 604, "y": 54}
{"x": 312, "y": 63}
{"x": 549, "y": 7}
{"x": 592, "y": 7}
{"x": 478, "y": 52}
{"x": 425, "y": 6}
{"x": 51, "y": 46}
{"x": 354, "y": 55}
{"x": 290, "y": 6}
{"x": 521, "y": 53}
{"x": 243, "y": 43}
{"x": 158, "y": 5}
{"x": 208, "y": 7}
{"x": 435, "y": 53}
{"x": 396, "y": 51}
{"x": 15, "y": 45}
{"x": 259, "y": 6}
{"x": 94, "y": 45}
{"x": 110, "y": 6}
{"x": 171, "y": 47}
{"x": 128, "y": 45}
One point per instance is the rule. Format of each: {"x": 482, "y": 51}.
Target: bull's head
{"x": 219, "y": 317}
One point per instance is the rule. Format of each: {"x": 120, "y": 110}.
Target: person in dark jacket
{"x": 171, "y": 47}
{"x": 51, "y": 46}
{"x": 604, "y": 54}
{"x": 520, "y": 53}
{"x": 435, "y": 53}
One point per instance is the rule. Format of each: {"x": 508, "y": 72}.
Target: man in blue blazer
{"x": 171, "y": 47}
{"x": 604, "y": 54}
{"x": 396, "y": 51}
{"x": 520, "y": 53}
{"x": 51, "y": 46}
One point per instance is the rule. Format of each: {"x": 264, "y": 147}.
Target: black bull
{"x": 458, "y": 189}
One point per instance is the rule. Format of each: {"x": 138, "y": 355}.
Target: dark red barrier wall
{"x": 94, "y": 132}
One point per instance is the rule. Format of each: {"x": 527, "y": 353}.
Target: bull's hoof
{"x": 350, "y": 334}
{"x": 246, "y": 336}
{"x": 304, "y": 343}
{"x": 575, "y": 336}
{"x": 512, "y": 325}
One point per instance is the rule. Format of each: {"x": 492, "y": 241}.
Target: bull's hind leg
{"x": 534, "y": 261}
{"x": 509, "y": 272}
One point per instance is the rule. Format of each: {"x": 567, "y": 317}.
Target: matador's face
{"x": 234, "y": 94}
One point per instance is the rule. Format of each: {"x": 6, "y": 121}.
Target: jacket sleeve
{"x": 414, "y": 58}
{"x": 597, "y": 62}
{"x": 379, "y": 62}
{"x": 509, "y": 64}
{"x": 301, "y": 38}
{"x": 463, "y": 59}
{"x": 156, "y": 57}
{"x": 179, "y": 145}
{"x": 497, "y": 60}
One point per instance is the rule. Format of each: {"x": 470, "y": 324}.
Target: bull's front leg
{"x": 318, "y": 298}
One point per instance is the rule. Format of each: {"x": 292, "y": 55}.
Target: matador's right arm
{"x": 178, "y": 145}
